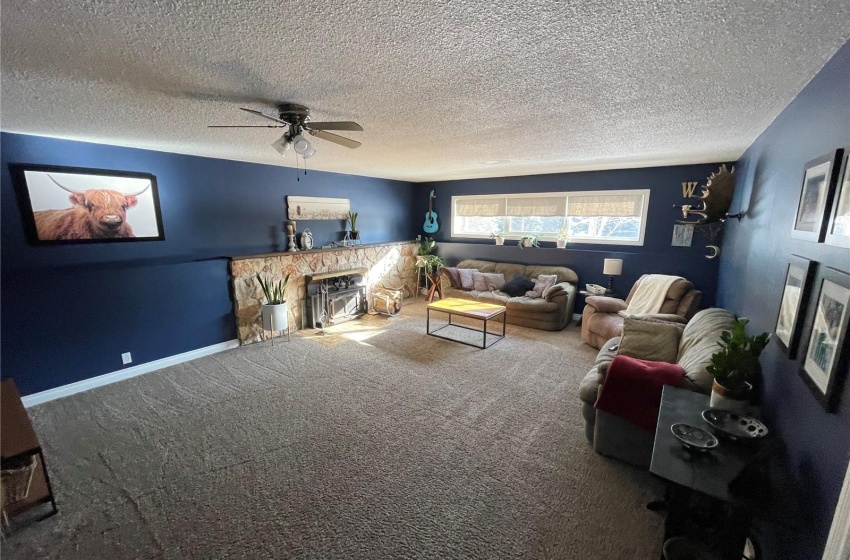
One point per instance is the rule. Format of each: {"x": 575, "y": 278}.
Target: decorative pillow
{"x": 478, "y": 283}
{"x": 552, "y": 290}
{"x": 543, "y": 281}
{"x": 518, "y": 285}
{"x": 494, "y": 281}
{"x": 466, "y": 278}
{"x": 648, "y": 339}
{"x": 452, "y": 275}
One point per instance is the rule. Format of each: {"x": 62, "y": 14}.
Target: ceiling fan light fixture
{"x": 302, "y": 145}
{"x": 311, "y": 151}
{"x": 282, "y": 144}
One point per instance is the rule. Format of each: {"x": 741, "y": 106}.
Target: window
{"x": 612, "y": 217}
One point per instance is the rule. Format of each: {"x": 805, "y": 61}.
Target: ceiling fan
{"x": 296, "y": 118}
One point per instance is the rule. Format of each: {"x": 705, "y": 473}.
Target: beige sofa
{"x": 615, "y": 437}
{"x": 549, "y": 314}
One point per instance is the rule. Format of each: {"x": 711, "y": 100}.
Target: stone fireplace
{"x": 366, "y": 266}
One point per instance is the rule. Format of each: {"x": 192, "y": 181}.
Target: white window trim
{"x": 589, "y": 240}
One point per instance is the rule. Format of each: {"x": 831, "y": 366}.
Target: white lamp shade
{"x": 311, "y": 151}
{"x": 613, "y": 267}
{"x": 282, "y": 145}
{"x": 301, "y": 145}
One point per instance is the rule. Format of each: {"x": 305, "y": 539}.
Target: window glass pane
{"x": 627, "y": 229}
{"x": 478, "y": 225}
{"x": 537, "y": 225}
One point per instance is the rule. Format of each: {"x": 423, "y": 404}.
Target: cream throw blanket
{"x": 650, "y": 294}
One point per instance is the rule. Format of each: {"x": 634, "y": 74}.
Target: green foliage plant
{"x": 532, "y": 238}
{"x": 274, "y": 292}
{"x": 736, "y": 365}
{"x": 352, "y": 220}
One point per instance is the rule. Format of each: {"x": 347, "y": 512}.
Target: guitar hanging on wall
{"x": 431, "y": 224}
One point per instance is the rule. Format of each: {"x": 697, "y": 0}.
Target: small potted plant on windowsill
{"x": 497, "y": 237}
{"x": 528, "y": 241}
{"x": 352, "y": 220}
{"x": 563, "y": 237}
{"x": 736, "y": 367}
{"x": 275, "y": 311}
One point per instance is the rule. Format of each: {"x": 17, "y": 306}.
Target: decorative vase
{"x": 499, "y": 240}
{"x": 725, "y": 399}
{"x": 275, "y": 317}
{"x": 560, "y": 243}
{"x": 526, "y": 243}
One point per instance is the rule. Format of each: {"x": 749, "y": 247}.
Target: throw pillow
{"x": 648, "y": 339}
{"x": 543, "y": 281}
{"x": 552, "y": 290}
{"x": 478, "y": 283}
{"x": 452, "y": 275}
{"x": 518, "y": 285}
{"x": 465, "y": 278}
{"x": 494, "y": 281}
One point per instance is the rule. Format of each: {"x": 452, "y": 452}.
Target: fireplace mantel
{"x": 388, "y": 264}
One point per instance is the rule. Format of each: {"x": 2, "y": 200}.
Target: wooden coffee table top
{"x": 467, "y": 308}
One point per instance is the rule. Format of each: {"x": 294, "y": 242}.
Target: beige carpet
{"x": 389, "y": 444}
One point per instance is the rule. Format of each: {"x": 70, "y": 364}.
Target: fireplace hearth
{"x": 335, "y": 297}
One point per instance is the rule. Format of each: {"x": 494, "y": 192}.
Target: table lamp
{"x": 612, "y": 268}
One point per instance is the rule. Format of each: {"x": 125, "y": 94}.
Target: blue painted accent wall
{"x": 655, "y": 256}
{"x": 68, "y": 312}
{"x": 752, "y": 269}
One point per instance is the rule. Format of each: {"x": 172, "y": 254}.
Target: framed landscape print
{"x": 824, "y": 364}
{"x": 792, "y": 308}
{"x": 818, "y": 185}
{"x": 838, "y": 230}
{"x": 61, "y": 205}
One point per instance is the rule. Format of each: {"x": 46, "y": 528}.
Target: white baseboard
{"x": 120, "y": 375}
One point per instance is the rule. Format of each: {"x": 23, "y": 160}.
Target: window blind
{"x": 536, "y": 206}
{"x": 619, "y": 205}
{"x": 480, "y": 207}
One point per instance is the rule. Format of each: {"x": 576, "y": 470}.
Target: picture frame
{"x": 317, "y": 208}
{"x": 824, "y": 356}
{"x": 838, "y": 229}
{"x": 813, "y": 207}
{"x": 70, "y": 205}
{"x": 792, "y": 307}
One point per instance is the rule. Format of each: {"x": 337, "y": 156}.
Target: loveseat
{"x": 552, "y": 313}
{"x": 615, "y": 437}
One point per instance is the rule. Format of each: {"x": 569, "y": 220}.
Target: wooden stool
{"x": 436, "y": 286}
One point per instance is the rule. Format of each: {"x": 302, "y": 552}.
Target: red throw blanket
{"x": 632, "y": 389}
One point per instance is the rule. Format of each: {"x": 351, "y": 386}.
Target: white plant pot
{"x": 279, "y": 313}
{"x": 499, "y": 240}
{"x": 526, "y": 243}
{"x": 722, "y": 402}
{"x": 560, "y": 243}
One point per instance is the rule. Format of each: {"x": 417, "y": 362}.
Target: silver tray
{"x": 693, "y": 438}
{"x": 734, "y": 426}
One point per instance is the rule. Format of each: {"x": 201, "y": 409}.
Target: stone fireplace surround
{"x": 391, "y": 264}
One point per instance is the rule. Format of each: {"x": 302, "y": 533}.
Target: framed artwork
{"x": 838, "y": 230}
{"x": 61, "y": 205}
{"x": 792, "y": 308}
{"x": 818, "y": 185}
{"x": 824, "y": 363}
{"x": 317, "y": 208}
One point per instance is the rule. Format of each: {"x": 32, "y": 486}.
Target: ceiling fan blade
{"x": 339, "y": 125}
{"x": 335, "y": 138}
{"x": 263, "y": 114}
{"x": 246, "y": 126}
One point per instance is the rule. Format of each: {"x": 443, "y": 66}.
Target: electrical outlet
{"x": 126, "y": 358}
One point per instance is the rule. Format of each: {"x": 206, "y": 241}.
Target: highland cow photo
{"x": 71, "y": 205}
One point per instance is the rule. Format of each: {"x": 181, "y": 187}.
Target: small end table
{"x": 436, "y": 286}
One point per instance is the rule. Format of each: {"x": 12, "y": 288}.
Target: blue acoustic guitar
{"x": 431, "y": 224}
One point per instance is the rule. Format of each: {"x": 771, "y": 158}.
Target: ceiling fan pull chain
{"x": 297, "y": 178}
{"x": 305, "y": 167}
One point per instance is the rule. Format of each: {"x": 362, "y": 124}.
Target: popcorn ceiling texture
{"x": 440, "y": 87}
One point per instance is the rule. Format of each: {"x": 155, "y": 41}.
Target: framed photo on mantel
{"x": 824, "y": 364}
{"x": 819, "y": 180}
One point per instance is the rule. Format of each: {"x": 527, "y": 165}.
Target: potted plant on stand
{"x": 275, "y": 311}
{"x": 497, "y": 237}
{"x": 352, "y": 220}
{"x": 736, "y": 368}
{"x": 563, "y": 237}
{"x": 528, "y": 241}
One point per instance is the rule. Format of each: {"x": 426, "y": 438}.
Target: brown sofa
{"x": 549, "y": 314}
{"x": 600, "y": 320}
{"x": 615, "y": 437}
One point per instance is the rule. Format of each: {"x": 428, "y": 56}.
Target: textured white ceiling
{"x": 441, "y": 87}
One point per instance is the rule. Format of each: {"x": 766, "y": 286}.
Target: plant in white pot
{"x": 563, "y": 237}
{"x": 275, "y": 311}
{"x": 736, "y": 367}
{"x": 497, "y": 237}
{"x": 529, "y": 241}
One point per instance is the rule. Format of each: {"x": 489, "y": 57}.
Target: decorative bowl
{"x": 693, "y": 438}
{"x": 595, "y": 289}
{"x": 734, "y": 426}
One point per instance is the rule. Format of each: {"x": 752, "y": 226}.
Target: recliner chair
{"x": 600, "y": 320}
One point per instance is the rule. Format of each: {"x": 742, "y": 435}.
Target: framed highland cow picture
{"x": 62, "y": 205}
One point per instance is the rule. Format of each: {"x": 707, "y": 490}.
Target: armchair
{"x": 601, "y": 320}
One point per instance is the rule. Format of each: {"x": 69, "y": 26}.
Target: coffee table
{"x": 484, "y": 312}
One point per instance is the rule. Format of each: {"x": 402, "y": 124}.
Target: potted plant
{"x": 352, "y": 220}
{"x": 497, "y": 237}
{"x": 736, "y": 367}
{"x": 563, "y": 237}
{"x": 274, "y": 311}
{"x": 528, "y": 241}
{"x": 426, "y": 247}
{"x": 433, "y": 263}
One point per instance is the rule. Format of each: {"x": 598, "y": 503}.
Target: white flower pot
{"x": 275, "y": 317}
{"x": 722, "y": 399}
{"x": 499, "y": 240}
{"x": 526, "y": 243}
{"x": 560, "y": 243}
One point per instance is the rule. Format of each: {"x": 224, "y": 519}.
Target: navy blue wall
{"x": 655, "y": 256}
{"x": 68, "y": 312}
{"x": 752, "y": 273}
